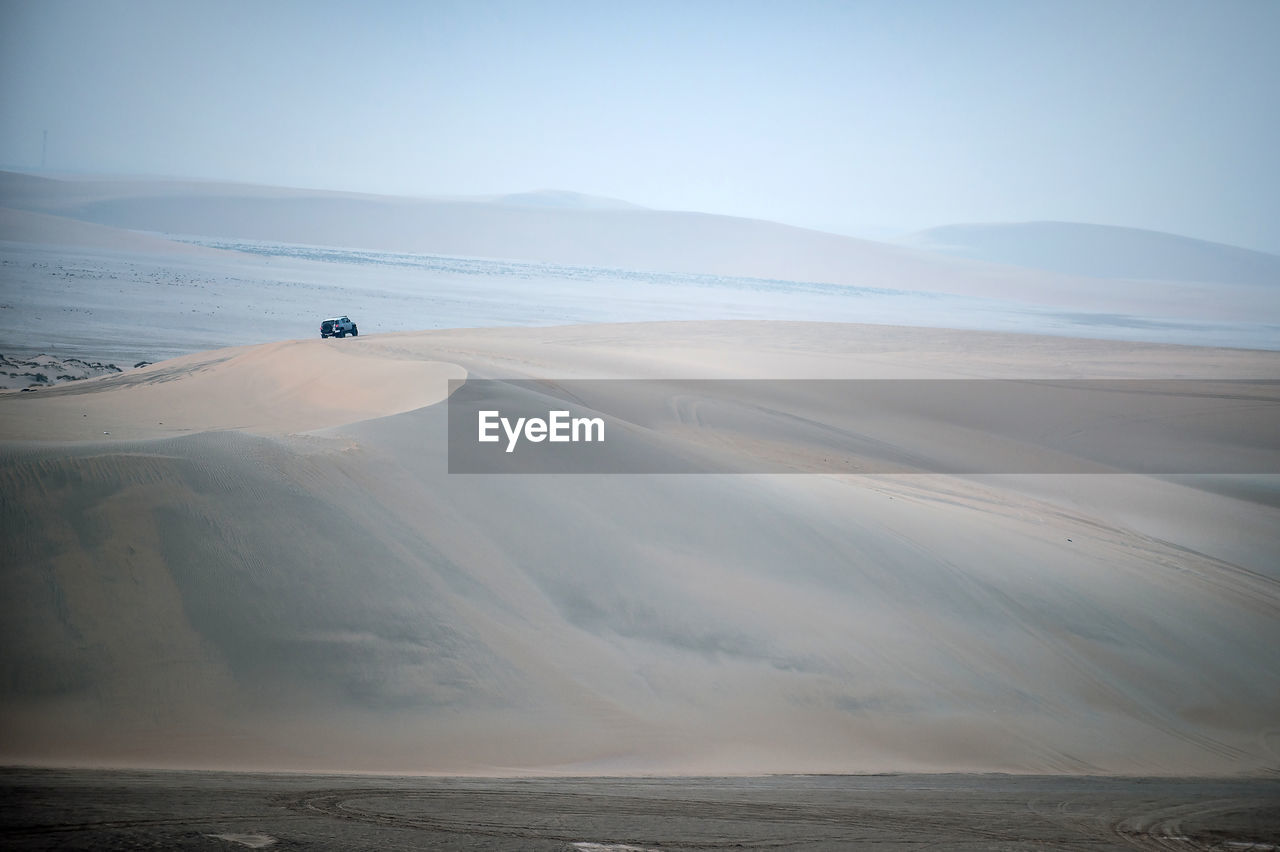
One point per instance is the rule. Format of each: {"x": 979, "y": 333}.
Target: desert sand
{"x": 86, "y": 809}
{"x": 252, "y": 554}
{"x": 256, "y": 558}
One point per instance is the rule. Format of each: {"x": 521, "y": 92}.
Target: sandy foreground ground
{"x": 256, "y": 558}
{"x": 84, "y": 809}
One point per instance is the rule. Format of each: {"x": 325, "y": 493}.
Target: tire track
{"x": 1167, "y": 829}
{"x": 699, "y": 824}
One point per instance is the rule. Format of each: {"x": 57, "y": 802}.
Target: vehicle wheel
{"x": 355, "y": 332}
{"x": 341, "y": 334}
{"x": 323, "y": 336}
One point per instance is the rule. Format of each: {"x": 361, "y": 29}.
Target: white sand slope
{"x": 266, "y": 564}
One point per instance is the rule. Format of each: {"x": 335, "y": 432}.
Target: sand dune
{"x": 266, "y": 564}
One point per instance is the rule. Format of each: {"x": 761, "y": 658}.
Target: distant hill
{"x": 1102, "y": 251}
{"x": 549, "y": 226}
{"x": 1042, "y": 263}
{"x": 565, "y": 200}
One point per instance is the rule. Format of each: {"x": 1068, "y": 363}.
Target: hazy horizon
{"x": 911, "y": 237}
{"x": 861, "y": 118}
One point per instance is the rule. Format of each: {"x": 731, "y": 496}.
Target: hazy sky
{"x": 1161, "y": 114}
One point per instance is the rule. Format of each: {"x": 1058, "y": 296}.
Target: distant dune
{"x": 546, "y": 226}
{"x": 255, "y": 557}
{"x": 1076, "y": 267}
{"x": 1103, "y": 251}
{"x": 21, "y": 226}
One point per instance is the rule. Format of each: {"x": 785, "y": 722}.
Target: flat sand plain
{"x": 84, "y": 809}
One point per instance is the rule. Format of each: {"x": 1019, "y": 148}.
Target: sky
{"x": 871, "y": 117}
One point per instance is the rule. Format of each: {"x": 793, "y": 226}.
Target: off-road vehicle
{"x": 338, "y": 327}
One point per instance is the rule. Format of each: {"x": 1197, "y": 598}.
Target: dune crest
{"x": 269, "y": 389}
